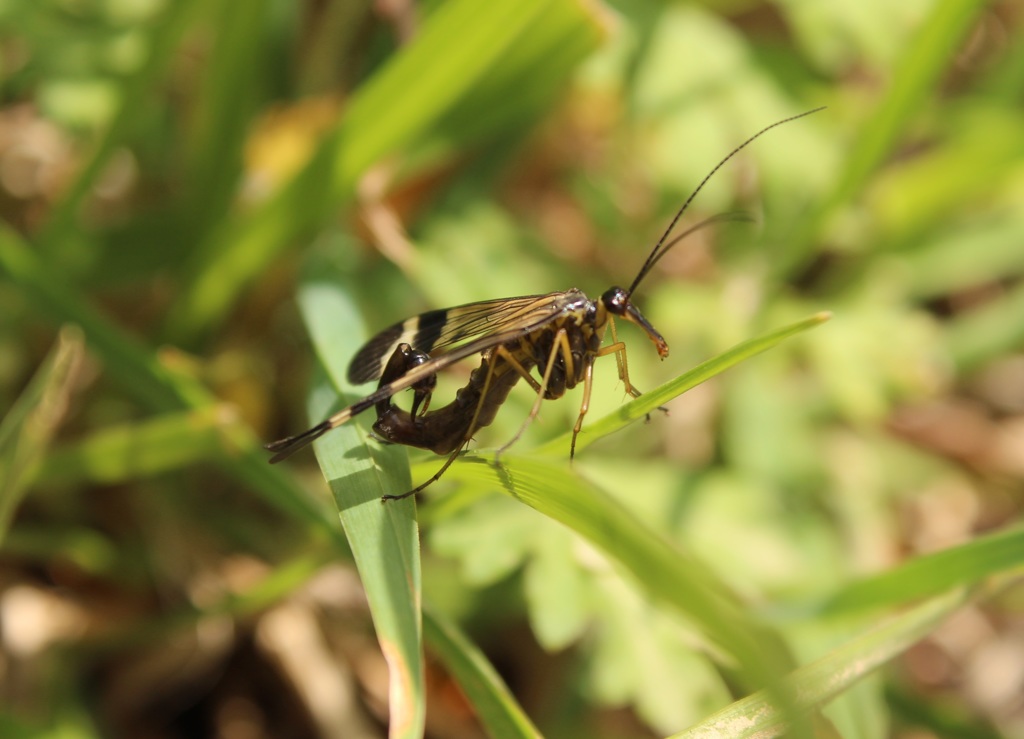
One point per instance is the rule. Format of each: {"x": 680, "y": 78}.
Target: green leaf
{"x": 141, "y": 374}
{"x": 86, "y": 549}
{"x": 557, "y": 590}
{"x": 397, "y": 107}
{"x": 162, "y": 44}
{"x": 27, "y": 428}
{"x": 231, "y": 86}
{"x": 644, "y": 666}
{"x": 384, "y": 537}
{"x": 925, "y": 58}
{"x": 131, "y": 451}
{"x": 489, "y": 696}
{"x": 664, "y": 572}
{"x": 574, "y": 595}
{"x": 818, "y": 682}
{"x": 934, "y": 573}
{"x": 981, "y": 144}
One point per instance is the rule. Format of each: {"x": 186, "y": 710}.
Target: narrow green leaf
{"x": 232, "y": 84}
{"x": 966, "y": 258}
{"x": 383, "y": 536}
{"x": 650, "y": 401}
{"x": 488, "y": 694}
{"x": 86, "y": 549}
{"x": 163, "y": 41}
{"x": 27, "y": 428}
{"x": 667, "y": 574}
{"x": 917, "y": 72}
{"x": 983, "y": 147}
{"x": 934, "y": 573}
{"x": 818, "y": 682}
{"x": 396, "y": 107}
{"x": 142, "y": 375}
{"x": 137, "y": 371}
{"x": 926, "y": 56}
{"x": 137, "y": 450}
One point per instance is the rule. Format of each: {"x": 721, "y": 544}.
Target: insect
{"x": 560, "y": 335}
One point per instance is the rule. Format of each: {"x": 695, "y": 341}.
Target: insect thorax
{"x": 569, "y": 356}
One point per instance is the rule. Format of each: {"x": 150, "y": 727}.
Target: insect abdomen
{"x": 444, "y": 430}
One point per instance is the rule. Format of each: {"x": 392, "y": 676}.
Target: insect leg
{"x": 519, "y": 368}
{"x": 432, "y": 480}
{"x": 403, "y": 359}
{"x": 588, "y": 384}
{"x": 619, "y": 349}
{"x": 560, "y": 344}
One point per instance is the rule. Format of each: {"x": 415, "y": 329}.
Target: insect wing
{"x": 437, "y": 329}
{"x": 505, "y": 320}
{"x": 284, "y": 448}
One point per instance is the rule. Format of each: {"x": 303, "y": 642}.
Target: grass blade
{"x": 820, "y": 681}
{"x": 384, "y": 538}
{"x": 27, "y": 428}
{"x": 155, "y": 384}
{"x": 490, "y": 697}
{"x": 666, "y": 574}
{"x": 934, "y": 573}
{"x": 398, "y": 106}
{"x": 131, "y": 451}
{"x": 926, "y": 56}
{"x": 162, "y": 44}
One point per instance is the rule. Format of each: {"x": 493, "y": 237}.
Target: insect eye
{"x": 615, "y": 301}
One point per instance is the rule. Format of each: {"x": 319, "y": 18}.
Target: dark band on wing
{"x": 435, "y": 330}
{"x": 428, "y": 329}
{"x": 368, "y": 362}
{"x": 421, "y": 332}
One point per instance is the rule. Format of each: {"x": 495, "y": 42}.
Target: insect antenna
{"x": 664, "y": 244}
{"x": 734, "y": 217}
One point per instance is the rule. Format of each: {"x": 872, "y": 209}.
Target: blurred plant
{"x": 172, "y": 174}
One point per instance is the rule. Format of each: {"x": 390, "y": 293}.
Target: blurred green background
{"x": 176, "y": 179}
